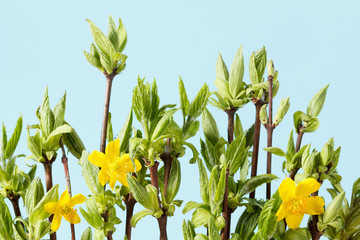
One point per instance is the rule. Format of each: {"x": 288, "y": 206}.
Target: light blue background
{"x": 312, "y": 43}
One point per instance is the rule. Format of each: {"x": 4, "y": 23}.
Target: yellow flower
{"x": 64, "y": 208}
{"x": 113, "y": 167}
{"x": 296, "y": 201}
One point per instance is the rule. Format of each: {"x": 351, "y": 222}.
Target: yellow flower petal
{"x": 64, "y": 198}
{"x": 56, "y": 222}
{"x": 113, "y": 148}
{"x": 77, "y": 199}
{"x": 103, "y": 176}
{"x": 51, "y": 207}
{"x": 112, "y": 182}
{"x": 314, "y": 205}
{"x": 72, "y": 217}
{"x": 123, "y": 180}
{"x": 128, "y": 165}
{"x": 287, "y": 190}
{"x": 293, "y": 221}
{"x": 283, "y": 211}
{"x": 98, "y": 158}
{"x": 306, "y": 187}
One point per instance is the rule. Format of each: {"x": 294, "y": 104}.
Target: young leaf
{"x": 5, "y": 221}
{"x": 46, "y": 116}
{"x": 213, "y": 231}
{"x": 109, "y": 130}
{"x": 73, "y": 143}
{"x": 209, "y": 126}
{"x": 317, "y": 102}
{"x": 204, "y": 182}
{"x": 214, "y": 178}
{"x": 194, "y": 151}
{"x": 191, "y": 205}
{"x": 59, "y": 112}
{"x": 220, "y": 189}
{"x": 276, "y": 151}
{"x": 137, "y": 216}
{"x": 162, "y": 124}
{"x": 238, "y": 130}
{"x": 201, "y": 216}
{"x": 198, "y": 104}
{"x": 125, "y": 133}
{"x": 87, "y": 234}
{"x": 236, "y": 73}
{"x": 221, "y": 69}
{"x": 234, "y": 153}
{"x": 139, "y": 193}
{"x": 100, "y": 39}
{"x": 254, "y": 182}
{"x": 291, "y": 145}
{"x": 174, "y": 180}
{"x": 122, "y": 36}
{"x": 184, "y": 101}
{"x": 267, "y": 220}
{"x": 332, "y": 210}
{"x": 252, "y": 70}
{"x": 33, "y": 195}
{"x": 12, "y": 143}
{"x": 112, "y": 32}
{"x": 260, "y": 62}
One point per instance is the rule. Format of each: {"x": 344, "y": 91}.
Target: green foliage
{"x": 6, "y": 229}
{"x": 107, "y": 54}
{"x": 90, "y": 173}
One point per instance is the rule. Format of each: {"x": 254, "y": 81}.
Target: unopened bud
{"x": 282, "y": 110}
{"x": 263, "y": 115}
{"x": 270, "y": 68}
{"x": 327, "y": 152}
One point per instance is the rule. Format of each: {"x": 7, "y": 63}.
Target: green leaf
{"x": 174, "y": 181}
{"x": 191, "y": 130}
{"x": 140, "y": 193}
{"x": 125, "y": 133}
{"x": 93, "y": 60}
{"x": 249, "y": 135}
{"x": 294, "y": 234}
{"x": 39, "y": 213}
{"x": 291, "y": 145}
{"x": 34, "y": 194}
{"x": 234, "y": 153}
{"x": 238, "y": 130}
{"x": 42, "y": 229}
{"x": 214, "y": 178}
{"x": 317, "y": 102}
{"x": 191, "y": 205}
{"x": 46, "y": 116}
{"x": 87, "y": 234}
{"x": 52, "y": 142}
{"x": 34, "y": 144}
{"x": 204, "y": 182}
{"x": 201, "y": 216}
{"x": 194, "y": 151}
{"x": 220, "y": 189}
{"x": 252, "y": 70}
{"x": 223, "y": 88}
{"x": 162, "y": 125}
{"x": 112, "y": 32}
{"x": 186, "y": 231}
{"x": 236, "y": 74}
{"x": 106, "y": 62}
{"x": 101, "y": 40}
{"x": 209, "y": 126}
{"x": 260, "y": 62}
{"x": 137, "y": 216}
{"x": 247, "y": 223}
{"x": 268, "y": 220}
{"x": 59, "y": 112}
{"x": 94, "y": 220}
{"x": 276, "y": 151}
{"x": 73, "y": 143}
{"x": 122, "y": 36}
{"x": 3, "y": 144}
{"x": 198, "y": 104}
{"x": 184, "y": 101}
{"x": 6, "y": 230}
{"x": 221, "y": 69}
{"x": 109, "y": 129}
{"x": 90, "y": 173}
{"x": 13, "y": 141}
{"x": 333, "y": 209}
{"x": 201, "y": 236}
{"x": 254, "y": 182}
{"x": 213, "y": 230}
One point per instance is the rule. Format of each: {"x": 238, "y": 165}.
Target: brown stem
{"x": 270, "y": 128}
{"x": 129, "y": 203}
{"x": 225, "y": 232}
{"x": 297, "y": 148}
{"x": 64, "y": 161}
{"x": 14, "y": 199}
{"x": 49, "y": 184}
{"x": 105, "y": 216}
{"x": 314, "y": 231}
{"x": 109, "y": 80}
{"x": 162, "y": 221}
{"x": 255, "y": 153}
{"x": 155, "y": 177}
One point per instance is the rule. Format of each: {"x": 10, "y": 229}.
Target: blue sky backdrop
{"x": 312, "y": 43}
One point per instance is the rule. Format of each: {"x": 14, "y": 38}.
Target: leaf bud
{"x": 282, "y": 110}
{"x": 327, "y": 152}
{"x": 270, "y": 68}
{"x": 263, "y": 115}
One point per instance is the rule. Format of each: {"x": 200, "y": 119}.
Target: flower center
{"x": 296, "y": 207}
{"x": 66, "y": 210}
